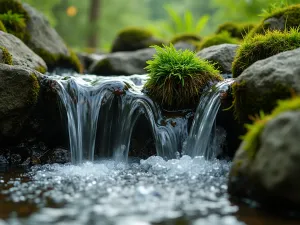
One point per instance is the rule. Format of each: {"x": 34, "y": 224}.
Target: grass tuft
{"x": 177, "y": 78}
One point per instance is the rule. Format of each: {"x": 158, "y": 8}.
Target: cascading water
{"x": 84, "y": 98}
{"x": 203, "y": 130}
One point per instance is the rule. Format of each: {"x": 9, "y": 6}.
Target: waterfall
{"x": 200, "y": 141}
{"x": 85, "y": 98}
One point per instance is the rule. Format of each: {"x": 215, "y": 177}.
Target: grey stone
{"x": 17, "y": 87}
{"x": 21, "y": 54}
{"x": 275, "y": 23}
{"x": 266, "y": 81}
{"x": 222, "y": 55}
{"x": 275, "y": 169}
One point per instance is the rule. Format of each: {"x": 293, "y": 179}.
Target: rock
{"x": 222, "y": 55}
{"x": 87, "y": 59}
{"x": 19, "y": 90}
{"x": 21, "y": 54}
{"x": 274, "y": 23}
{"x": 266, "y": 81}
{"x": 46, "y": 42}
{"x": 128, "y": 63}
{"x": 272, "y": 176}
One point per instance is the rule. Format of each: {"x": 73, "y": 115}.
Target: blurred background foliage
{"x": 165, "y": 18}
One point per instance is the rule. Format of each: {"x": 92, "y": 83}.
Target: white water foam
{"x": 107, "y": 192}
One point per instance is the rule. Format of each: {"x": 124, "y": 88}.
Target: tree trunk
{"x": 94, "y": 15}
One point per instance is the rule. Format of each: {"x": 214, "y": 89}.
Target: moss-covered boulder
{"x": 134, "y": 38}
{"x": 265, "y": 82}
{"x": 217, "y": 39}
{"x": 15, "y": 52}
{"x": 19, "y": 91}
{"x": 46, "y": 42}
{"x": 266, "y": 166}
{"x": 186, "y": 38}
{"x": 221, "y": 55}
{"x": 264, "y": 46}
{"x": 236, "y": 30}
{"x": 279, "y": 19}
{"x": 177, "y": 78}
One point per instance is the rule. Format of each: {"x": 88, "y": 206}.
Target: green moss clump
{"x": 15, "y": 24}
{"x": 35, "y": 90}
{"x": 290, "y": 16}
{"x": 236, "y": 30}
{"x": 186, "y": 37}
{"x": 2, "y": 27}
{"x": 133, "y": 38}
{"x": 6, "y": 56}
{"x": 60, "y": 61}
{"x": 14, "y": 6}
{"x": 252, "y": 138}
{"x": 263, "y": 46}
{"x": 217, "y": 39}
{"x": 41, "y": 69}
{"x": 177, "y": 78}
{"x": 104, "y": 67}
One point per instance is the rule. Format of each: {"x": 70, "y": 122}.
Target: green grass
{"x": 2, "y": 27}
{"x": 252, "y": 137}
{"x": 263, "y": 46}
{"x": 177, "y": 78}
{"x": 217, "y": 39}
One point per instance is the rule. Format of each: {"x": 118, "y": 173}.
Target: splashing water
{"x": 108, "y": 192}
{"x": 85, "y": 98}
{"x": 203, "y": 134}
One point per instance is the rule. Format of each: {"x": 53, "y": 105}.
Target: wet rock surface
{"x": 222, "y": 55}
{"x": 21, "y": 54}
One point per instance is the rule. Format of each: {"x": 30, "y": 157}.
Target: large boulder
{"x": 19, "y": 90}
{"x": 222, "y": 55}
{"x": 128, "y": 63}
{"x": 267, "y": 164}
{"x": 46, "y": 42}
{"x": 266, "y": 81}
{"x": 20, "y": 53}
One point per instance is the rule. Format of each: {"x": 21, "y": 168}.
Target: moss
{"x": 60, "y": 61}
{"x": 186, "y": 37}
{"x": 248, "y": 103}
{"x": 290, "y": 15}
{"x": 6, "y": 56}
{"x": 217, "y": 39}
{"x": 133, "y": 38}
{"x": 34, "y": 92}
{"x": 41, "y": 69}
{"x": 14, "y": 17}
{"x": 236, "y": 30}
{"x": 104, "y": 67}
{"x": 252, "y": 138}
{"x": 2, "y": 27}
{"x": 263, "y": 46}
{"x": 177, "y": 78}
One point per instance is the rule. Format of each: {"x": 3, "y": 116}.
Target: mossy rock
{"x": 6, "y": 57}
{"x": 14, "y": 17}
{"x": 217, "y": 39}
{"x": 264, "y": 83}
{"x": 2, "y": 27}
{"x": 178, "y": 78}
{"x": 134, "y": 38}
{"x": 236, "y": 30}
{"x": 191, "y": 38}
{"x": 263, "y": 46}
{"x": 280, "y": 19}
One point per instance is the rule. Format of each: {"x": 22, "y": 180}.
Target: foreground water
{"x": 152, "y": 191}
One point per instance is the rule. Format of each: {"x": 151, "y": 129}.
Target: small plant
{"x": 177, "y": 78}
{"x": 6, "y": 56}
{"x": 263, "y": 46}
{"x": 2, "y": 27}
{"x": 14, "y": 24}
{"x": 217, "y": 39}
